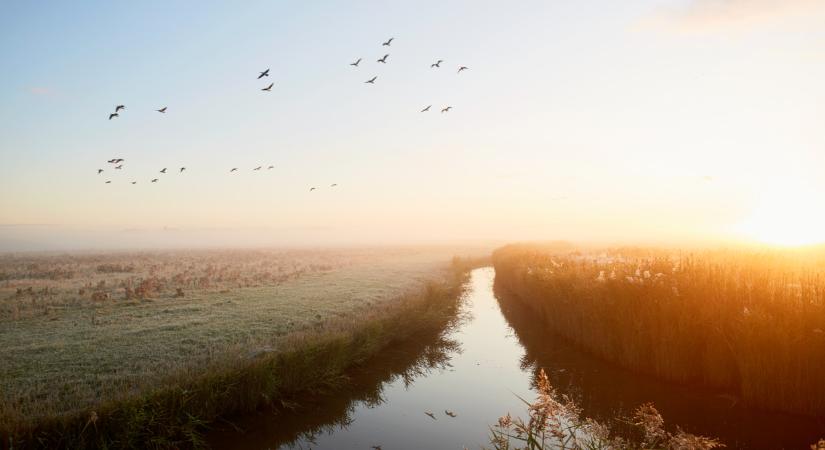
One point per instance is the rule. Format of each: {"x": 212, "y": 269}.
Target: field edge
{"x": 181, "y": 409}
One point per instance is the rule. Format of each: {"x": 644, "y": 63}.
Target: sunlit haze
{"x": 619, "y": 122}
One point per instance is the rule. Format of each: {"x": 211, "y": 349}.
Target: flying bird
{"x": 108, "y": 181}
{"x": 427, "y": 108}
{"x": 163, "y": 170}
{"x": 257, "y": 168}
{"x": 447, "y": 109}
{"x": 376, "y": 447}
{"x": 333, "y": 185}
{"x": 450, "y": 413}
{"x": 99, "y": 171}
{"x": 118, "y": 167}
{"x": 384, "y": 58}
{"x": 265, "y": 73}
{"x": 371, "y": 80}
{"x": 462, "y": 68}
{"x": 432, "y": 416}
{"x": 268, "y": 88}
{"x": 311, "y": 189}
{"x": 154, "y": 180}
{"x": 134, "y": 182}
{"x": 162, "y": 110}
{"x": 113, "y": 115}
{"x": 233, "y": 169}
{"x": 355, "y": 64}
{"x": 437, "y": 63}
{"x": 387, "y": 44}
{"x": 270, "y": 167}
{"x": 119, "y": 107}
{"x": 112, "y": 161}
{"x": 182, "y": 169}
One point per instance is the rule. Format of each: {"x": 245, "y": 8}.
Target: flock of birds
{"x": 117, "y": 163}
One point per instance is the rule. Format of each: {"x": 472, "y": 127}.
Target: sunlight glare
{"x": 787, "y": 216}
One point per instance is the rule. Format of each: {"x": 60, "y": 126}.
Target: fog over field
{"x": 464, "y": 224}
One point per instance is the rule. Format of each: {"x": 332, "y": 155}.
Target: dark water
{"x": 477, "y": 370}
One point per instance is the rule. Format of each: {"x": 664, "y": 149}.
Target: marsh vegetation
{"x": 751, "y": 323}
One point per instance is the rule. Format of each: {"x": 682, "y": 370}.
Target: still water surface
{"x": 477, "y": 371}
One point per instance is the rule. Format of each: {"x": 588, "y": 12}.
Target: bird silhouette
{"x": 182, "y": 169}
{"x": 118, "y": 167}
{"x": 257, "y": 168}
{"x": 112, "y": 161}
{"x": 234, "y": 169}
{"x": 162, "y": 110}
{"x": 387, "y": 44}
{"x": 270, "y": 167}
{"x": 134, "y": 182}
{"x": 154, "y": 180}
{"x": 119, "y": 160}
{"x": 384, "y": 58}
{"x": 427, "y": 108}
{"x": 311, "y": 189}
{"x": 333, "y": 185}
{"x": 163, "y": 170}
{"x": 115, "y": 160}
{"x": 437, "y": 63}
{"x": 376, "y": 447}
{"x": 450, "y": 413}
{"x": 447, "y": 109}
{"x": 432, "y": 416}
{"x": 355, "y": 64}
{"x": 268, "y": 88}
{"x": 108, "y": 182}
{"x": 371, "y": 80}
{"x": 99, "y": 171}
{"x": 462, "y": 68}
{"x": 119, "y": 107}
{"x": 265, "y": 73}
{"x": 113, "y": 115}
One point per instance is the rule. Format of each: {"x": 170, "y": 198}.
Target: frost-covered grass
{"x": 77, "y": 356}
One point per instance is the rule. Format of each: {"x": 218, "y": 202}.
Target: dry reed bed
{"x": 751, "y": 322}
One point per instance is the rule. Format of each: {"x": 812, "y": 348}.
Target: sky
{"x": 647, "y": 121}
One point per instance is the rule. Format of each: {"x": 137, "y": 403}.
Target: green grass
{"x": 156, "y": 372}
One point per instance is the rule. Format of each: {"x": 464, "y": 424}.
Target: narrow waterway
{"x": 477, "y": 371}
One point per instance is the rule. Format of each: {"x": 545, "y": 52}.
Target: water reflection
{"x": 387, "y": 402}
{"x": 606, "y": 391}
{"x": 323, "y": 415}
{"x": 478, "y": 369}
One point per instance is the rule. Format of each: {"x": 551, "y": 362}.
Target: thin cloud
{"x": 40, "y": 91}
{"x": 713, "y": 15}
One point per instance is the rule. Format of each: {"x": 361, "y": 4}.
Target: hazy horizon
{"x": 654, "y": 121}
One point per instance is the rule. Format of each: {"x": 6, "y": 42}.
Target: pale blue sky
{"x": 571, "y": 113}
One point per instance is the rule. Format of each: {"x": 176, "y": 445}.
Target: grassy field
{"x": 749, "y": 322}
{"x": 92, "y": 335}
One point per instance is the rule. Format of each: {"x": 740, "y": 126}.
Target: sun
{"x": 788, "y": 215}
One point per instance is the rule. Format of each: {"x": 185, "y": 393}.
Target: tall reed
{"x": 744, "y": 321}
